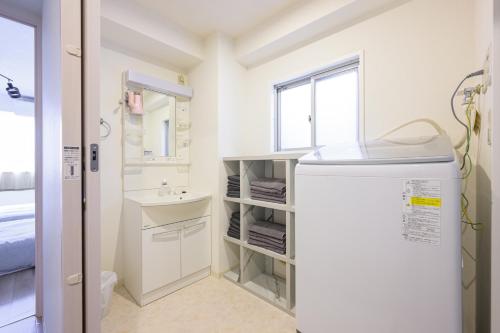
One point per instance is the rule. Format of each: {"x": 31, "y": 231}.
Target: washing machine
{"x": 378, "y": 241}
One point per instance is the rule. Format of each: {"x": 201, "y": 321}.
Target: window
{"x": 17, "y": 140}
{"x": 318, "y": 109}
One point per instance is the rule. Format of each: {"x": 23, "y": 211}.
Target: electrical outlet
{"x": 487, "y": 72}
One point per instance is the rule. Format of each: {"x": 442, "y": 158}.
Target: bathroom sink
{"x": 154, "y": 199}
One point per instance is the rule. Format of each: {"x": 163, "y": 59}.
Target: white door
{"x": 161, "y": 256}
{"x": 62, "y": 166}
{"x": 195, "y": 245}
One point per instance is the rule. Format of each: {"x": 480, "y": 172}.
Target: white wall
{"x": 413, "y": 57}
{"x": 113, "y": 64}
{"x": 204, "y": 131}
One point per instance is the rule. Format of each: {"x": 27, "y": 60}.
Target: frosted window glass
{"x": 295, "y": 112}
{"x": 337, "y": 108}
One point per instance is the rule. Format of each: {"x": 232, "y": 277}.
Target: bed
{"x": 17, "y": 238}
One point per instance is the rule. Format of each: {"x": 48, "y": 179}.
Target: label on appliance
{"x": 421, "y": 218}
{"x": 71, "y": 163}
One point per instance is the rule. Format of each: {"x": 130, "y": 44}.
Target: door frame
{"x": 495, "y": 176}
{"x": 35, "y": 21}
{"x": 91, "y": 115}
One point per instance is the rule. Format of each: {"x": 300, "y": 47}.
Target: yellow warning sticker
{"x": 421, "y": 201}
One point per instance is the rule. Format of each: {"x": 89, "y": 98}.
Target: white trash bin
{"x": 108, "y": 282}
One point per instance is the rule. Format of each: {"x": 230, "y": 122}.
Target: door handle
{"x": 195, "y": 227}
{"x": 165, "y": 235}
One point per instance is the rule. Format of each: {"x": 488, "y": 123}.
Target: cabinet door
{"x": 196, "y": 249}
{"x": 161, "y": 256}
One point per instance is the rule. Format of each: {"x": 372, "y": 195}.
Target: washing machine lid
{"x": 404, "y": 151}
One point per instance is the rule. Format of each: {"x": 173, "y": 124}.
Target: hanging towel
{"x": 135, "y": 103}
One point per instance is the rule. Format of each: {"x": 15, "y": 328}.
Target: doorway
{"x": 18, "y": 215}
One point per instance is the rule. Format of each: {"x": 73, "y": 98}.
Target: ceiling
{"x": 32, "y": 6}
{"x": 203, "y": 17}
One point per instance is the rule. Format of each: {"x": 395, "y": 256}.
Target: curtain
{"x": 11, "y": 181}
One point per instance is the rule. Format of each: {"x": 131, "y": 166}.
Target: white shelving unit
{"x": 265, "y": 273}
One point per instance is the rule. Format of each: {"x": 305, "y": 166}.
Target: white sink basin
{"x": 152, "y": 199}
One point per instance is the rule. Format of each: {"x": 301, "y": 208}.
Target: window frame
{"x": 347, "y": 64}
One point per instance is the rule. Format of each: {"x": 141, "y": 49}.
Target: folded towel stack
{"x": 268, "y": 189}
{"x": 233, "y": 186}
{"x": 234, "y": 226}
{"x": 271, "y": 236}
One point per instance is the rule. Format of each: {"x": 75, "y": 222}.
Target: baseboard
{"x": 174, "y": 286}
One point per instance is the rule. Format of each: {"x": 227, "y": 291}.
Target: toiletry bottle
{"x": 164, "y": 189}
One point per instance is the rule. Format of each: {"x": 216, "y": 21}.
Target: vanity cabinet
{"x": 194, "y": 244}
{"x": 161, "y": 257}
{"x": 166, "y": 247}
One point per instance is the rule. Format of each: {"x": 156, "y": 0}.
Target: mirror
{"x": 158, "y": 124}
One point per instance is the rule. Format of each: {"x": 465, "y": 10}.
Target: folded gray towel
{"x": 269, "y": 183}
{"x": 267, "y": 190}
{"x": 235, "y": 178}
{"x": 274, "y": 195}
{"x": 267, "y": 198}
{"x": 235, "y": 229}
{"x": 273, "y": 230}
{"x": 272, "y": 248}
{"x": 268, "y": 241}
{"x": 257, "y": 235}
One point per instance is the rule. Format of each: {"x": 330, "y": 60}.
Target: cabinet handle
{"x": 194, "y": 227}
{"x": 165, "y": 235}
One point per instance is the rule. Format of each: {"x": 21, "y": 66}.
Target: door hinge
{"x": 74, "y": 279}
{"x": 74, "y": 50}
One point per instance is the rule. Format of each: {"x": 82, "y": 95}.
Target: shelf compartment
{"x": 250, "y": 215}
{"x": 264, "y": 286}
{"x": 258, "y": 277}
{"x": 232, "y": 258}
{"x": 252, "y": 170}
{"x": 231, "y": 168}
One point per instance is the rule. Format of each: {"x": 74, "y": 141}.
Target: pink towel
{"x": 137, "y": 109}
{"x": 131, "y": 99}
{"x": 135, "y": 103}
